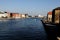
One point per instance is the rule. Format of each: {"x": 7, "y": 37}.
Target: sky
{"x": 31, "y": 7}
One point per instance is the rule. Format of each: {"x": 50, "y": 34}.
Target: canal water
{"x": 22, "y": 29}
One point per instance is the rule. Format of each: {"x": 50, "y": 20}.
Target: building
{"x": 40, "y": 16}
{"x": 23, "y": 15}
{"x": 26, "y": 16}
{"x": 49, "y": 17}
{"x": 56, "y": 15}
{"x": 36, "y": 16}
{"x": 3, "y": 15}
{"x": 15, "y": 15}
{"x": 30, "y": 16}
{"x": 8, "y": 14}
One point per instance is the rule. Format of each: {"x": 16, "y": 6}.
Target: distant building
{"x": 3, "y": 15}
{"x": 30, "y": 16}
{"x": 8, "y": 14}
{"x": 36, "y": 16}
{"x": 40, "y": 16}
{"x": 23, "y": 15}
{"x": 15, "y": 15}
{"x": 49, "y": 16}
{"x": 26, "y": 16}
{"x": 56, "y": 15}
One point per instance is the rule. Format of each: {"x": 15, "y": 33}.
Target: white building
{"x": 40, "y": 16}
{"x": 3, "y": 15}
{"x": 23, "y": 15}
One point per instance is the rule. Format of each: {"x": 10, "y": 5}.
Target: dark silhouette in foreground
{"x": 51, "y": 30}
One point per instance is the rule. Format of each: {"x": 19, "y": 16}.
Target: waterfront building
{"x": 36, "y": 16}
{"x": 8, "y": 14}
{"x": 56, "y": 15}
{"x": 3, "y": 15}
{"x": 26, "y": 16}
{"x": 29, "y": 16}
{"x": 23, "y": 15}
{"x": 40, "y": 16}
{"x": 15, "y": 15}
{"x": 49, "y": 17}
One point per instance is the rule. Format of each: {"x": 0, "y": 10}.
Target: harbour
{"x": 22, "y": 29}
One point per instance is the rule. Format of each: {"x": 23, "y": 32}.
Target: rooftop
{"x": 50, "y": 13}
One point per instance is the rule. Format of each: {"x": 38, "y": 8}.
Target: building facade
{"x": 15, "y": 15}
{"x": 49, "y": 16}
{"x": 3, "y": 15}
{"x": 56, "y": 15}
{"x": 8, "y": 14}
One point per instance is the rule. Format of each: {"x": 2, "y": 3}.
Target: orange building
{"x": 49, "y": 16}
{"x": 15, "y": 15}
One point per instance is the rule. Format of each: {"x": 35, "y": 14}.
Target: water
{"x": 22, "y": 29}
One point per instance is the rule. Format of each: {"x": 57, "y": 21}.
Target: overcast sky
{"x": 32, "y": 7}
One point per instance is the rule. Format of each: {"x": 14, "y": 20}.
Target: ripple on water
{"x": 22, "y": 29}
